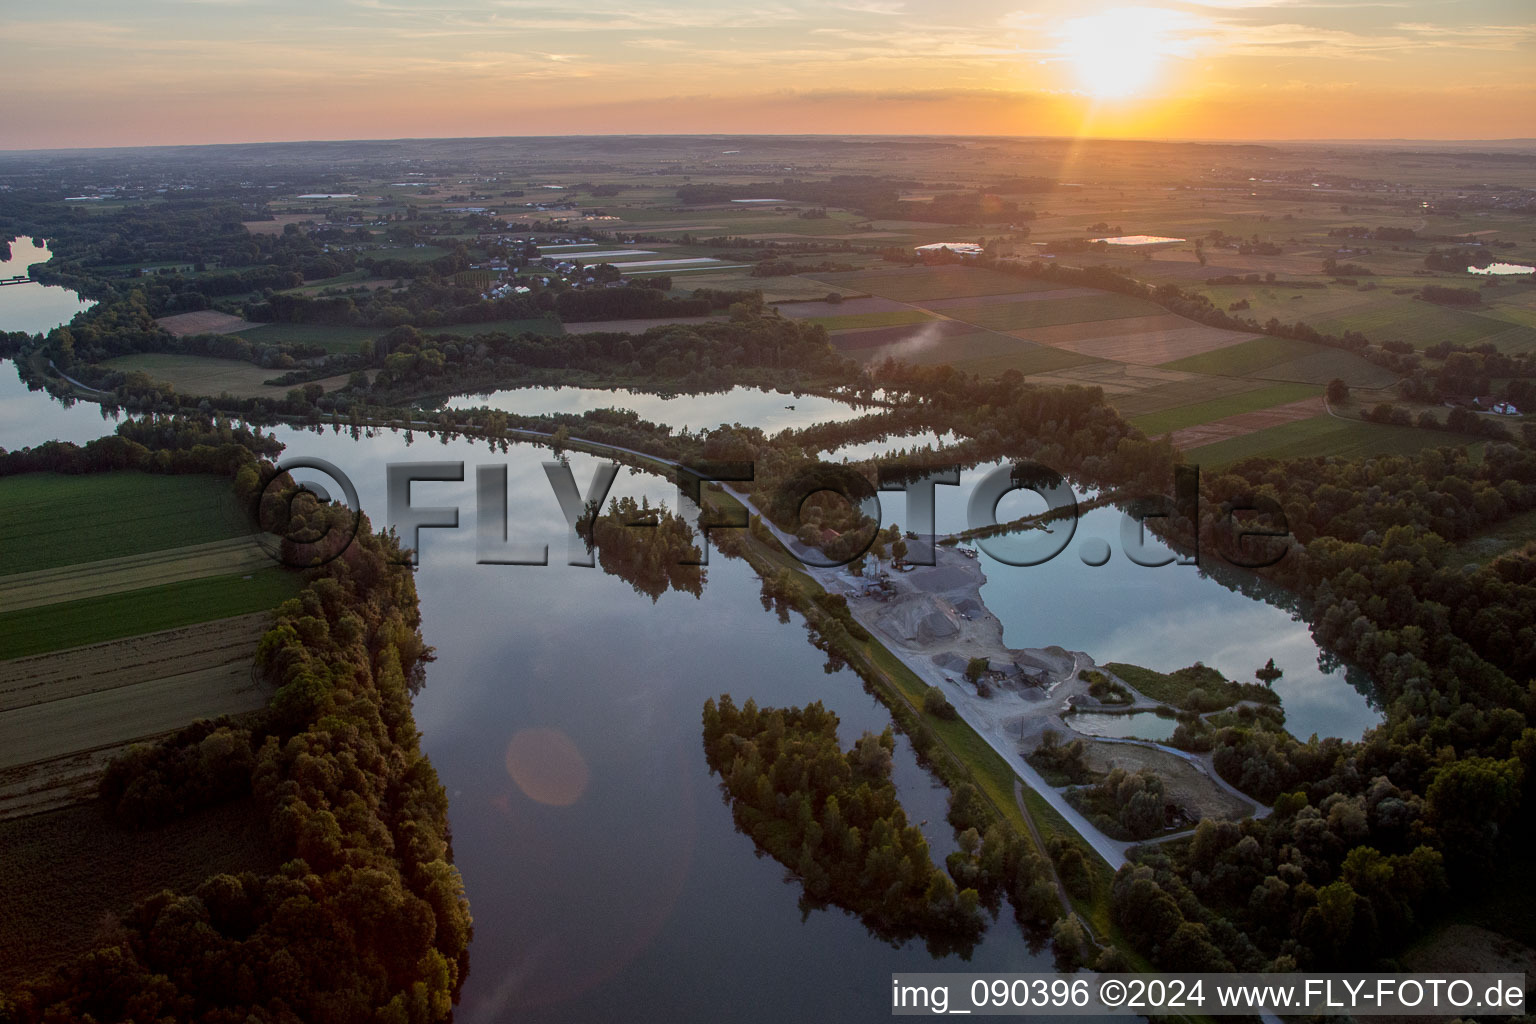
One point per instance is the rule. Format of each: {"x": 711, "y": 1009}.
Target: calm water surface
{"x": 1141, "y": 725}
{"x": 33, "y": 307}
{"x": 772, "y": 411}
{"x": 632, "y": 896}
{"x": 1161, "y": 618}
{"x": 635, "y": 898}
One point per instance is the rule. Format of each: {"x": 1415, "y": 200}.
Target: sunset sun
{"x": 1120, "y": 54}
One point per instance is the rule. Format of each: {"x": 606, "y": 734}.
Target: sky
{"x": 114, "y": 73}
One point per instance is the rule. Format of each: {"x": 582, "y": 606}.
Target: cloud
{"x": 886, "y": 8}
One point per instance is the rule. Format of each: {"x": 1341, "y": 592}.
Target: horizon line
{"x": 1190, "y": 140}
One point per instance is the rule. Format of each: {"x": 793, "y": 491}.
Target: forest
{"x": 831, "y": 816}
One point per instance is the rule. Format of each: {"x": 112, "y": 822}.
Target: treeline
{"x": 154, "y": 446}
{"x": 1458, "y": 260}
{"x": 832, "y": 817}
{"x": 1316, "y": 886}
{"x": 1380, "y": 234}
{"x": 1443, "y": 296}
{"x": 1459, "y": 420}
{"x": 439, "y": 302}
{"x": 689, "y": 357}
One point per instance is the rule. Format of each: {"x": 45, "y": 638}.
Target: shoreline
{"x": 933, "y": 619}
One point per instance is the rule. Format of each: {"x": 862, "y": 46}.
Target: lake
{"x": 28, "y": 418}
{"x": 33, "y": 307}
{"x": 632, "y": 896}
{"x": 639, "y": 900}
{"x": 772, "y": 411}
{"x": 1161, "y": 618}
{"x": 1141, "y": 725}
{"x": 856, "y": 451}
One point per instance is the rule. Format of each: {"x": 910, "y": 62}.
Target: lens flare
{"x": 547, "y": 766}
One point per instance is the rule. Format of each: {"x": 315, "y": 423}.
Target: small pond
{"x": 1141, "y": 725}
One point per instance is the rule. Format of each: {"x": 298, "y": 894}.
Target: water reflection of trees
{"x": 650, "y": 546}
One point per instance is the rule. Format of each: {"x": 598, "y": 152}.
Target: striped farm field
{"x": 1144, "y": 340}
{"x": 917, "y": 284}
{"x": 56, "y": 627}
{"x": 51, "y": 520}
{"x": 1203, "y": 434}
{"x": 894, "y": 318}
{"x": 42, "y": 678}
{"x": 132, "y": 572}
{"x": 1286, "y": 359}
{"x": 1423, "y": 324}
{"x": 960, "y": 345}
{"x": 982, "y": 354}
{"x": 1177, "y": 391}
{"x": 1155, "y": 424}
{"x": 1022, "y": 316}
{"x": 1324, "y": 435}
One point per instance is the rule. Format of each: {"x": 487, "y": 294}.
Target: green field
{"x": 1286, "y": 359}
{"x": 52, "y": 520}
{"x": 1157, "y": 423}
{"x": 1177, "y": 394}
{"x": 893, "y": 318}
{"x": 56, "y": 627}
{"x": 1324, "y": 435}
{"x": 1518, "y": 315}
{"x": 982, "y": 352}
{"x": 1019, "y": 316}
{"x": 1422, "y": 324}
{"x": 331, "y": 338}
{"x": 409, "y": 253}
{"x": 924, "y": 283}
